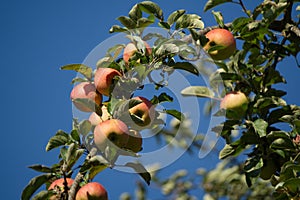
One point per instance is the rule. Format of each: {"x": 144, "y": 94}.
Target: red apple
{"x": 58, "y": 187}
{"x": 135, "y": 141}
{"x": 92, "y": 191}
{"x": 85, "y": 90}
{"x": 130, "y": 49}
{"x": 235, "y": 104}
{"x": 104, "y": 79}
{"x": 112, "y": 130}
{"x": 220, "y": 37}
{"x": 144, "y": 110}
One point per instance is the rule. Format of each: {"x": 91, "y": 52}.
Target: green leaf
{"x": 75, "y": 136}
{"x": 151, "y": 8}
{"x": 141, "y": 170}
{"x": 219, "y": 18}
{"x": 163, "y": 97}
{"x": 144, "y": 22}
{"x": 127, "y": 22}
{"x": 34, "y": 184}
{"x": 293, "y": 185}
{"x": 164, "y": 25}
{"x": 95, "y": 161}
{"x": 212, "y": 3}
{"x": 84, "y": 127}
{"x": 189, "y": 21}
{"x": 41, "y": 168}
{"x": 88, "y": 103}
{"x": 174, "y": 16}
{"x": 230, "y": 76}
{"x": 175, "y": 113}
{"x": 61, "y": 138}
{"x": 282, "y": 143}
{"x": 187, "y": 66}
{"x": 135, "y": 13}
{"x": 72, "y": 155}
{"x": 240, "y": 22}
{"x": 42, "y": 195}
{"x": 79, "y": 80}
{"x": 260, "y": 126}
{"x": 81, "y": 68}
{"x": 199, "y": 91}
{"x": 269, "y": 102}
{"x": 116, "y": 50}
{"x": 228, "y": 150}
{"x": 117, "y": 29}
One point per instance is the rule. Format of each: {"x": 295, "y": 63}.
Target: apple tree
{"x": 260, "y": 129}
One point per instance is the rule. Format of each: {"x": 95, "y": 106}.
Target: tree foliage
{"x": 268, "y": 34}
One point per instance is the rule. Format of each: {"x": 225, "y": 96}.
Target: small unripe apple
{"x": 235, "y": 104}
{"x": 58, "y": 187}
{"x": 130, "y": 49}
{"x": 220, "y": 37}
{"x": 144, "y": 110}
{"x": 104, "y": 79}
{"x": 112, "y": 130}
{"x": 85, "y": 90}
{"x": 95, "y": 119}
{"x": 92, "y": 191}
{"x": 135, "y": 141}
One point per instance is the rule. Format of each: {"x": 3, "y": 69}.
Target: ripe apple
{"x": 111, "y": 131}
{"x": 130, "y": 49}
{"x": 144, "y": 110}
{"x": 235, "y": 104}
{"x": 135, "y": 141}
{"x": 92, "y": 191}
{"x": 220, "y": 37}
{"x": 95, "y": 119}
{"x": 104, "y": 79}
{"x": 85, "y": 90}
{"x": 58, "y": 187}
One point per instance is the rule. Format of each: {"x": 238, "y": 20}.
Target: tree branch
{"x": 291, "y": 30}
{"x": 79, "y": 177}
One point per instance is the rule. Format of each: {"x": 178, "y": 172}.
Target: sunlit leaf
{"x": 199, "y": 91}
{"x": 135, "y": 13}
{"x": 151, "y": 8}
{"x": 226, "y": 151}
{"x": 212, "y": 3}
{"x": 81, "y": 68}
{"x": 34, "y": 184}
{"x": 174, "y": 16}
{"x": 84, "y": 127}
{"x": 260, "y": 126}
{"x": 61, "y": 138}
{"x": 127, "y": 22}
{"x": 117, "y": 29}
{"x": 219, "y": 18}
{"x": 41, "y": 168}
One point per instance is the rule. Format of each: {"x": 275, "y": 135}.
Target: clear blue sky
{"x": 37, "y": 37}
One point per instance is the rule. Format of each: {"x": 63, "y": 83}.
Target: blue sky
{"x": 38, "y": 37}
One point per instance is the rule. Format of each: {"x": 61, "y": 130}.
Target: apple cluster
{"x": 92, "y": 190}
{"x": 109, "y": 130}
